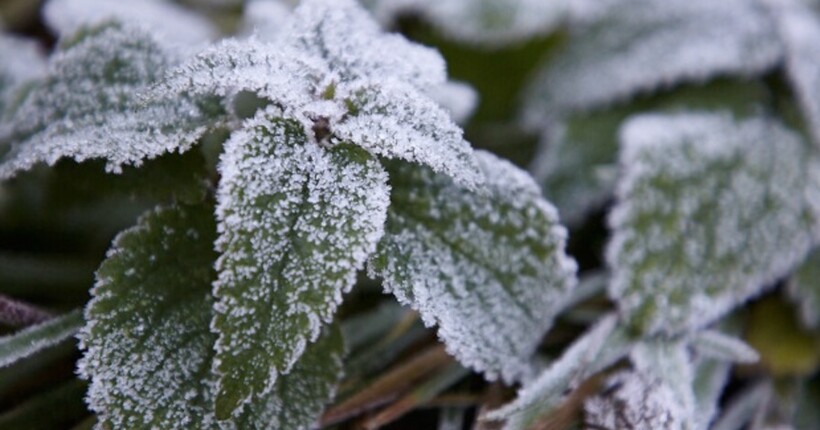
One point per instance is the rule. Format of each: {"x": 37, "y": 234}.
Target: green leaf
{"x": 296, "y": 222}
{"x": 149, "y": 347}
{"x": 38, "y": 337}
{"x": 487, "y": 267}
{"x": 804, "y": 290}
{"x": 90, "y": 105}
{"x": 711, "y": 211}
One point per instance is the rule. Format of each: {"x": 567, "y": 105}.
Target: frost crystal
{"x": 641, "y": 45}
{"x": 295, "y": 223}
{"x": 148, "y": 344}
{"x": 710, "y": 212}
{"x": 22, "y": 63}
{"x": 170, "y": 21}
{"x": 487, "y": 267}
{"x": 90, "y": 107}
{"x": 636, "y": 402}
{"x": 492, "y": 23}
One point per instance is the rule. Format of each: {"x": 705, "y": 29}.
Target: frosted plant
{"x": 38, "y": 337}
{"x": 711, "y": 211}
{"x": 491, "y": 23}
{"x": 22, "y": 64}
{"x": 88, "y": 105}
{"x": 804, "y": 288}
{"x": 322, "y": 116}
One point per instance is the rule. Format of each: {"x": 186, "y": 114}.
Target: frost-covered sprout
{"x": 301, "y": 204}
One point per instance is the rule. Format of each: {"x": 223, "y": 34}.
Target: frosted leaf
{"x": 657, "y": 394}
{"x": 710, "y": 212}
{"x": 170, "y": 21}
{"x": 710, "y": 378}
{"x": 491, "y": 23}
{"x": 89, "y": 106}
{"x": 800, "y": 30}
{"x": 264, "y": 18}
{"x": 642, "y": 45}
{"x": 720, "y": 346}
{"x": 30, "y": 340}
{"x": 395, "y": 120}
{"x": 343, "y": 34}
{"x": 804, "y": 289}
{"x": 600, "y": 347}
{"x": 148, "y": 343}
{"x": 22, "y": 63}
{"x": 456, "y": 97}
{"x": 296, "y": 221}
{"x": 633, "y": 401}
{"x": 487, "y": 267}
{"x": 284, "y": 77}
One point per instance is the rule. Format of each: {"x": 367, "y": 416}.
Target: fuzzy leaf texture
{"x": 148, "y": 345}
{"x": 643, "y": 45}
{"x": 89, "y": 106}
{"x": 296, "y": 221}
{"x": 711, "y": 210}
{"x": 30, "y": 340}
{"x": 488, "y": 267}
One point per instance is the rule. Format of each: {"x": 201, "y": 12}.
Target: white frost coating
{"x": 720, "y": 346}
{"x": 32, "y": 339}
{"x": 265, "y": 18}
{"x": 597, "y": 349}
{"x": 487, "y": 267}
{"x": 23, "y": 62}
{"x": 656, "y": 395}
{"x": 296, "y": 221}
{"x": 799, "y": 28}
{"x": 89, "y": 106}
{"x": 491, "y": 23}
{"x": 458, "y": 98}
{"x": 352, "y": 43}
{"x": 170, "y": 21}
{"x": 710, "y": 212}
{"x": 331, "y": 62}
{"x": 642, "y": 45}
{"x": 396, "y": 120}
{"x": 637, "y": 402}
{"x": 148, "y": 347}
